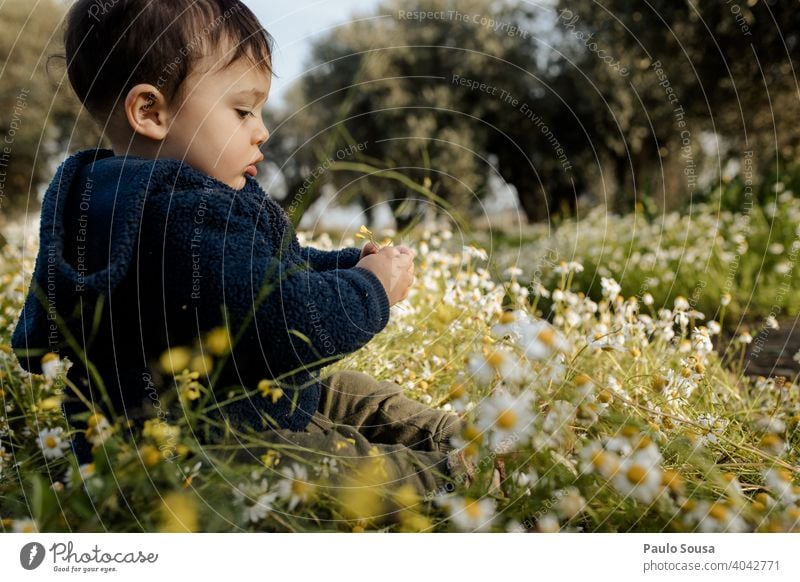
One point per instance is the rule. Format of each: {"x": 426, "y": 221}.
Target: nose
{"x": 262, "y": 136}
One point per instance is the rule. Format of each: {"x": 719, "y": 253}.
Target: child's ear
{"x": 146, "y": 110}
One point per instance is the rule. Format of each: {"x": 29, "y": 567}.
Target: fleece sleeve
{"x": 320, "y": 260}
{"x": 282, "y": 316}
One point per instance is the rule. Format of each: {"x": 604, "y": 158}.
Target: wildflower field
{"x": 584, "y": 356}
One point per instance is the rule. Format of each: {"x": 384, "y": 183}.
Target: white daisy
{"x": 548, "y": 523}
{"x": 504, "y": 417}
{"x": 25, "y": 526}
{"x": 536, "y": 337}
{"x": 779, "y": 482}
{"x": 638, "y": 478}
{"x": 468, "y": 514}
{"x": 701, "y": 341}
{"x": 295, "y": 486}
{"x": 610, "y": 288}
{"x": 256, "y": 500}
{"x": 716, "y": 518}
{"x": 52, "y": 442}
{"x": 497, "y": 361}
{"x": 570, "y": 503}
{"x": 99, "y": 429}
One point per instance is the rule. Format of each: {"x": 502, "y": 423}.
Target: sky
{"x": 295, "y": 24}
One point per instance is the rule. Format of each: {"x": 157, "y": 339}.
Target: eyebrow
{"x": 254, "y": 92}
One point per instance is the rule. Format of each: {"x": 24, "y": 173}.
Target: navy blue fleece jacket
{"x": 137, "y": 255}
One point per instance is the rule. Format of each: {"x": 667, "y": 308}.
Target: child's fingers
{"x": 407, "y": 250}
{"x": 369, "y": 249}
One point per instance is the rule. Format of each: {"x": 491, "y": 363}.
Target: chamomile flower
{"x": 25, "y": 526}
{"x": 497, "y": 361}
{"x": 255, "y": 500}
{"x": 536, "y": 338}
{"x": 52, "y": 442}
{"x": 716, "y": 517}
{"x": 610, "y": 288}
{"x": 638, "y": 477}
{"x": 504, "y": 417}
{"x": 779, "y": 482}
{"x": 548, "y": 523}
{"x": 701, "y": 341}
{"x": 570, "y": 503}
{"x": 470, "y": 515}
{"x": 52, "y": 366}
{"x": 295, "y": 486}
{"x": 99, "y": 429}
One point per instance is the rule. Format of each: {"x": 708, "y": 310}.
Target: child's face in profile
{"x": 218, "y": 129}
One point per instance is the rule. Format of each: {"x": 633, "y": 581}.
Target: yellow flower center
{"x": 471, "y": 433}
{"x": 582, "y": 379}
{"x": 672, "y": 480}
{"x": 51, "y": 442}
{"x": 457, "y": 390}
{"x": 473, "y": 509}
{"x": 495, "y": 359}
{"x": 718, "y": 512}
{"x": 599, "y": 459}
{"x": 604, "y": 396}
{"x": 547, "y": 336}
{"x": 301, "y": 488}
{"x": 629, "y": 431}
{"x": 471, "y": 450}
{"x": 506, "y": 317}
{"x": 636, "y": 474}
{"x": 507, "y": 419}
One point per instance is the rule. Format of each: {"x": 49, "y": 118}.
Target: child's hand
{"x": 369, "y": 249}
{"x": 394, "y": 267}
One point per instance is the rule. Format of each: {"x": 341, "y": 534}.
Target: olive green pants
{"x": 360, "y": 418}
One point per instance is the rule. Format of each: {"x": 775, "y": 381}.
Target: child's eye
{"x": 243, "y": 113}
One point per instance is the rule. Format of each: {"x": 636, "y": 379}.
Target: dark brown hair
{"x": 113, "y": 45}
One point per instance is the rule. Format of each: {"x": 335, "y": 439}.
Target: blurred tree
{"x": 724, "y": 69}
{"x": 430, "y": 93}
{"x": 38, "y": 111}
